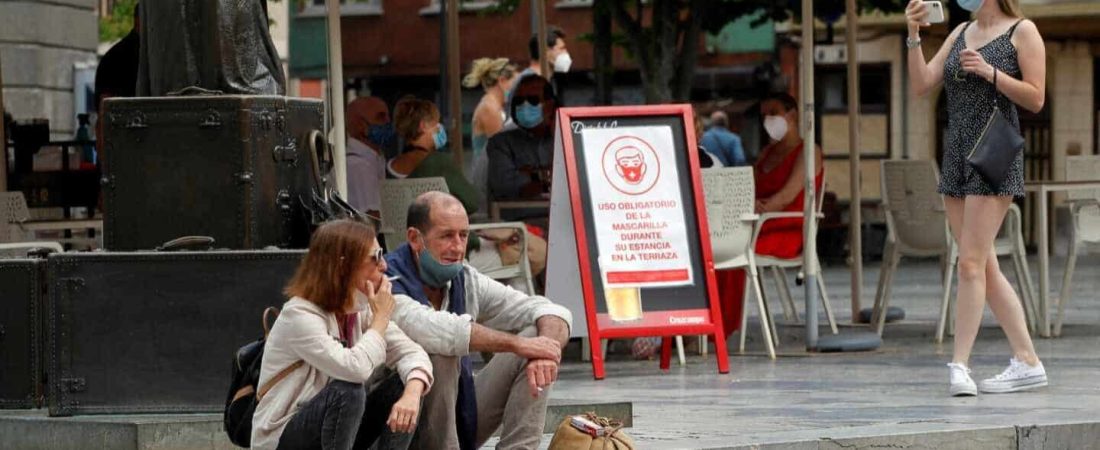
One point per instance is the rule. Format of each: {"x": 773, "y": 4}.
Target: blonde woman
{"x": 997, "y": 59}
{"x": 496, "y": 77}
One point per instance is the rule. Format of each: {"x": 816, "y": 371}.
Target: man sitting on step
{"x": 452, "y": 310}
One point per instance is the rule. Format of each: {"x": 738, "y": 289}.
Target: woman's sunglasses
{"x": 376, "y": 255}
{"x": 533, "y": 100}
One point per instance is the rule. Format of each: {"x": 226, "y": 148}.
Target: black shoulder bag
{"x": 997, "y": 146}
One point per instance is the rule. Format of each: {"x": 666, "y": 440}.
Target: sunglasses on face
{"x": 533, "y": 100}
{"x": 376, "y": 256}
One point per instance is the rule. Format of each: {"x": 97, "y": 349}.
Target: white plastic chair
{"x": 397, "y": 195}
{"x": 1085, "y": 214}
{"x": 916, "y": 226}
{"x": 14, "y": 241}
{"x": 730, "y": 201}
{"x": 779, "y": 266}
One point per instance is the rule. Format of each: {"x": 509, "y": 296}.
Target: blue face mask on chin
{"x": 528, "y": 115}
{"x": 971, "y": 5}
{"x": 434, "y": 273}
{"x": 440, "y": 138}
{"x": 383, "y": 135}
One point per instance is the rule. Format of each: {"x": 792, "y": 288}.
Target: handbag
{"x": 609, "y": 437}
{"x": 997, "y": 146}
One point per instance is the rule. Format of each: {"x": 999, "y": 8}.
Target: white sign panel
{"x": 639, "y": 219}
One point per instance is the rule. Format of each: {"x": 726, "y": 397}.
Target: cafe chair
{"x": 1084, "y": 207}
{"x": 397, "y": 195}
{"x": 730, "y": 200}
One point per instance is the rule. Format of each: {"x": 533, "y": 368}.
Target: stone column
{"x": 40, "y": 41}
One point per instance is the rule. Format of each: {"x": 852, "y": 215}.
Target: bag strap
{"x": 267, "y": 313}
{"x": 277, "y": 378}
{"x": 283, "y": 373}
{"x": 610, "y": 426}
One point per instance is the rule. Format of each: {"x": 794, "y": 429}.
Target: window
{"x": 347, "y": 8}
{"x": 874, "y": 110}
{"x": 463, "y": 6}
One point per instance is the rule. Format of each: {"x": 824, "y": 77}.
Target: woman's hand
{"x": 916, "y": 16}
{"x": 381, "y": 304}
{"x": 973, "y": 62}
{"x": 404, "y": 414}
{"x": 761, "y": 206}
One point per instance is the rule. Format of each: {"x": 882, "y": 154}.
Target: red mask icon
{"x": 630, "y": 164}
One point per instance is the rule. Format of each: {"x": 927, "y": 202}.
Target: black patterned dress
{"x": 970, "y": 100}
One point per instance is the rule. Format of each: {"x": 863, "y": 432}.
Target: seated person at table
{"x": 452, "y": 310}
{"x": 417, "y": 123}
{"x": 779, "y": 172}
{"x": 520, "y": 159}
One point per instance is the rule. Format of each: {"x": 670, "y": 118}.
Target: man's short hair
{"x": 788, "y": 102}
{"x": 719, "y": 119}
{"x": 552, "y": 35}
{"x": 420, "y": 211}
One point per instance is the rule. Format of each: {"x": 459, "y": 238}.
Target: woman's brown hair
{"x": 326, "y": 275}
{"x": 1011, "y": 7}
{"x": 409, "y": 113}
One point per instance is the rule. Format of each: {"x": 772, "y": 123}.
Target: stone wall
{"x": 40, "y": 41}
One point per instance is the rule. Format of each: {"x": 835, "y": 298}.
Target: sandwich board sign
{"x": 629, "y": 249}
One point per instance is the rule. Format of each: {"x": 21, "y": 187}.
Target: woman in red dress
{"x": 779, "y": 172}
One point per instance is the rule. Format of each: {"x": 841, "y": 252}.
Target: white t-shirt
{"x": 366, "y": 170}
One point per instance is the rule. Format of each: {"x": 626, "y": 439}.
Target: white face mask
{"x": 563, "y": 62}
{"x": 776, "y": 126}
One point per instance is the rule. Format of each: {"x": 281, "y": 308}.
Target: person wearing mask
{"x": 451, "y": 309}
{"x": 417, "y": 123}
{"x": 369, "y": 134}
{"x": 556, "y": 52}
{"x": 495, "y": 77}
{"x": 779, "y": 174}
{"x": 998, "y": 60}
{"x": 520, "y": 159}
{"x": 721, "y": 142}
{"x": 338, "y": 373}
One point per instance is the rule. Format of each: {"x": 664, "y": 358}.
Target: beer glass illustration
{"x": 624, "y": 304}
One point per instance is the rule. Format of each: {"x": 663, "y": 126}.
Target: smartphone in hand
{"x": 935, "y": 12}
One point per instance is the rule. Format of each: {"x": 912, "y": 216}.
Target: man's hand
{"x": 539, "y": 348}
{"x": 541, "y": 373}
{"x": 404, "y": 415}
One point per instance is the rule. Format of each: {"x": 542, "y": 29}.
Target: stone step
{"x": 33, "y": 430}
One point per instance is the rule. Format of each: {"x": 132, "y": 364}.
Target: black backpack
{"x": 240, "y": 403}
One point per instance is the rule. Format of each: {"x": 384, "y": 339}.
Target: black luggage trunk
{"x": 155, "y": 332}
{"x": 229, "y": 167}
{"x": 22, "y": 302}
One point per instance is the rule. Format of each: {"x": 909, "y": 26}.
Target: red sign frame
{"x": 646, "y": 327}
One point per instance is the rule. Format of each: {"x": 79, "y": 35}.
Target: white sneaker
{"x": 961, "y": 383}
{"x": 1018, "y": 376}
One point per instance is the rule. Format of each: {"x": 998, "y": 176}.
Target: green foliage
{"x": 118, "y": 24}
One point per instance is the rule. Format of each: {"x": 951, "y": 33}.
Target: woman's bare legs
{"x": 974, "y": 224}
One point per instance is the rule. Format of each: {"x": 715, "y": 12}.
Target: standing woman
{"x": 998, "y": 59}
{"x": 338, "y": 373}
{"x": 495, "y": 76}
